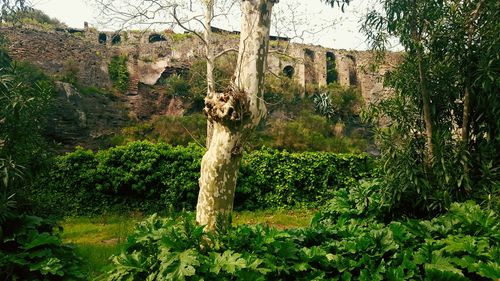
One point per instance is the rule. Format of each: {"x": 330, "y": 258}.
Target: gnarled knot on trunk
{"x": 228, "y": 107}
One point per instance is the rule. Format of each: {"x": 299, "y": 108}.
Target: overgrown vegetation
{"x": 295, "y": 121}
{"x": 118, "y": 72}
{"x": 30, "y": 248}
{"x": 461, "y": 245}
{"x": 441, "y": 143}
{"x": 158, "y": 177}
{"x": 97, "y": 238}
{"x": 25, "y": 95}
{"x": 21, "y": 14}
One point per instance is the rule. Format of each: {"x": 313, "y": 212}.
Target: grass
{"x": 98, "y": 238}
{"x": 281, "y": 219}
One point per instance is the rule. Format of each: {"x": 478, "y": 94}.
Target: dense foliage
{"x": 272, "y": 178}
{"x": 118, "y": 72}
{"x": 25, "y": 95}
{"x": 31, "y": 250}
{"x": 461, "y": 245}
{"x": 441, "y": 143}
{"x": 31, "y": 17}
{"x": 157, "y": 177}
{"x": 295, "y": 120}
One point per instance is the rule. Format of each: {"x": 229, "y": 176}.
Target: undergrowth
{"x": 463, "y": 244}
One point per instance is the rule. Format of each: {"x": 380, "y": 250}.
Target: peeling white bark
{"x": 234, "y": 115}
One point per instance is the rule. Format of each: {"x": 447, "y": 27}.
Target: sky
{"x": 315, "y": 22}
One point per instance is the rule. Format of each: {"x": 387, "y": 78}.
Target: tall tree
{"x": 233, "y": 114}
{"x": 451, "y": 105}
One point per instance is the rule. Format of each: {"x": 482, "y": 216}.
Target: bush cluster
{"x": 157, "y": 177}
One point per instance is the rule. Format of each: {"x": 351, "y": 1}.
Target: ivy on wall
{"x": 118, "y": 72}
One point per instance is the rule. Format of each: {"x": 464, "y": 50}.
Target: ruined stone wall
{"x": 353, "y": 68}
{"x": 151, "y": 54}
{"x": 55, "y": 52}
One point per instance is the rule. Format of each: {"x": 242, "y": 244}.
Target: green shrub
{"x": 461, "y": 245}
{"x": 157, "y": 177}
{"x": 30, "y": 250}
{"x": 118, "y": 72}
{"x": 25, "y": 95}
{"x": 338, "y": 103}
{"x": 140, "y": 176}
{"x": 272, "y": 178}
{"x": 307, "y": 132}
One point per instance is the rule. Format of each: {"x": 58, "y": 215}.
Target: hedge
{"x": 147, "y": 177}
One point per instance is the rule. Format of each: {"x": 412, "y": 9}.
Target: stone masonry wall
{"x": 151, "y": 54}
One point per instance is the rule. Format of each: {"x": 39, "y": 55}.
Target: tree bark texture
{"x": 426, "y": 100}
{"x": 210, "y": 58}
{"x": 234, "y": 114}
{"x": 471, "y": 29}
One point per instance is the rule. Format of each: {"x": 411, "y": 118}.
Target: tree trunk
{"x": 424, "y": 88}
{"x": 234, "y": 114}
{"x": 210, "y": 58}
{"x": 427, "y": 108}
{"x": 471, "y": 29}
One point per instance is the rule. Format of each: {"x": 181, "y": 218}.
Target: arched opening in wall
{"x": 310, "y": 67}
{"x": 156, "y": 38}
{"x": 173, "y": 74}
{"x": 353, "y": 74}
{"x": 103, "y": 38}
{"x": 116, "y": 39}
{"x": 289, "y": 71}
{"x": 331, "y": 68}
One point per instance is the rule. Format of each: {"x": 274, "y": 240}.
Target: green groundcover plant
{"x": 462, "y": 244}
{"x": 30, "y": 249}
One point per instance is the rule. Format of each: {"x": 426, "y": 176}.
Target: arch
{"x": 331, "y": 68}
{"x": 310, "y": 67}
{"x": 103, "y": 38}
{"x": 116, "y": 39}
{"x": 156, "y": 38}
{"x": 309, "y": 54}
{"x": 353, "y": 73}
{"x": 289, "y": 71}
{"x": 170, "y": 71}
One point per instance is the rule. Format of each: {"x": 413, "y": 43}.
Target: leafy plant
{"x": 324, "y": 105}
{"x": 461, "y": 245}
{"x": 25, "y": 93}
{"x": 29, "y": 247}
{"x": 443, "y": 117}
{"x": 30, "y": 250}
{"x": 118, "y": 72}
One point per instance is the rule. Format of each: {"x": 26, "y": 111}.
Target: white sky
{"x": 343, "y": 34}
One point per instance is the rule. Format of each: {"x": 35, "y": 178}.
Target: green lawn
{"x": 97, "y": 238}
